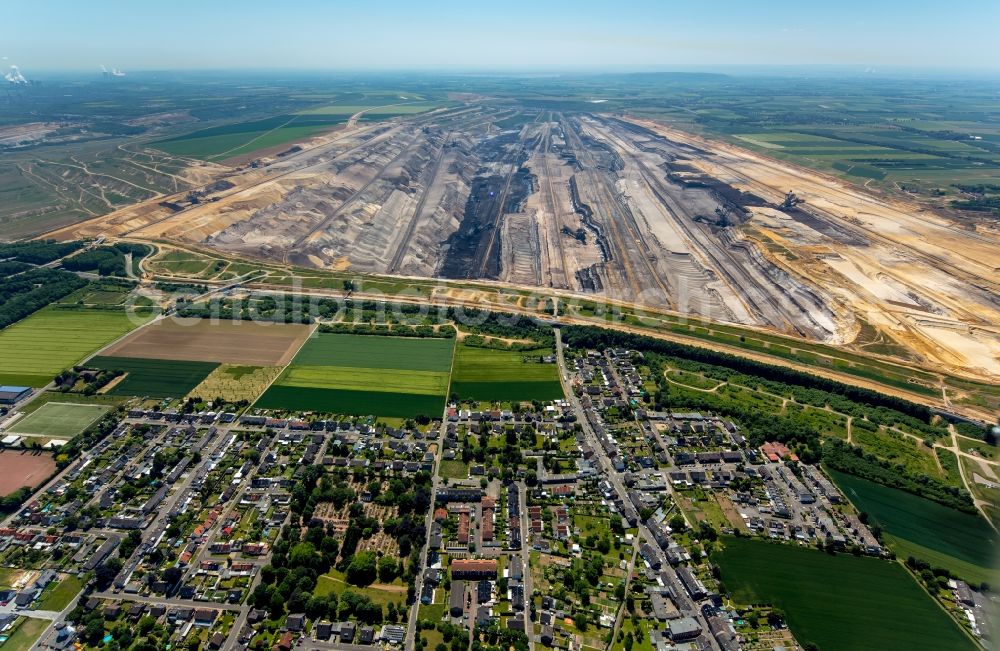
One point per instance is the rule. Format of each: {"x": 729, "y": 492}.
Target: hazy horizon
{"x": 580, "y": 37}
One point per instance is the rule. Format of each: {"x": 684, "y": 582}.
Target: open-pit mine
{"x": 603, "y": 205}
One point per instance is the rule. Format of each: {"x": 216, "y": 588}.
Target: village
{"x": 576, "y": 523}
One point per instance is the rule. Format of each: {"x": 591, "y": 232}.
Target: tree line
{"x": 593, "y": 337}
{"x": 106, "y": 260}
{"x": 31, "y": 290}
{"x": 38, "y": 251}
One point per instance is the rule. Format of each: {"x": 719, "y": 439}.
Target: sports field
{"x": 60, "y": 419}
{"x": 487, "y": 374}
{"x": 37, "y": 348}
{"x": 838, "y": 602}
{"x": 942, "y": 536}
{"x": 154, "y": 378}
{"x": 201, "y": 340}
{"x": 22, "y": 468}
{"x": 363, "y": 375}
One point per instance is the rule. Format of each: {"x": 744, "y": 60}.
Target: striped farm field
{"x": 365, "y": 375}
{"x": 371, "y": 351}
{"x": 514, "y": 375}
{"x": 37, "y": 348}
{"x": 367, "y": 379}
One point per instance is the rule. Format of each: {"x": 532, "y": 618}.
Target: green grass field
{"x": 391, "y": 107}
{"x": 961, "y": 542}
{"x": 37, "y": 348}
{"x": 345, "y": 401}
{"x": 365, "y": 375}
{"x": 838, "y": 602}
{"x": 367, "y": 379}
{"x": 380, "y": 594}
{"x": 230, "y": 140}
{"x": 154, "y": 378}
{"x": 913, "y": 455}
{"x": 181, "y": 263}
{"x": 60, "y": 420}
{"x": 487, "y": 374}
{"x": 369, "y": 351}
{"x": 58, "y": 597}
{"x": 453, "y": 469}
{"x": 28, "y": 630}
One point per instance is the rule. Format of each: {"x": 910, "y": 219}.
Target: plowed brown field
{"x": 243, "y": 342}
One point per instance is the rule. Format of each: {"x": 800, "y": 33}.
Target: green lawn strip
{"x": 28, "y": 630}
{"x": 969, "y": 572}
{"x": 25, "y": 379}
{"x": 838, "y": 602}
{"x": 366, "y": 379}
{"x": 60, "y": 420}
{"x": 453, "y": 469}
{"x": 333, "y": 582}
{"x": 433, "y": 613}
{"x": 154, "y": 378}
{"x": 343, "y": 401}
{"x": 489, "y": 365}
{"x": 58, "y": 597}
{"x": 488, "y": 374}
{"x": 507, "y": 390}
{"x": 7, "y": 575}
{"x": 924, "y": 523}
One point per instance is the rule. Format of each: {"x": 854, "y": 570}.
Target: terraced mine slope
{"x": 609, "y": 206}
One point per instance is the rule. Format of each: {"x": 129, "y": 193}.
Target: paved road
{"x": 411, "y": 623}
{"x": 232, "y": 641}
{"x": 179, "y": 603}
{"x": 180, "y": 489}
{"x": 49, "y": 632}
{"x": 524, "y": 555}
{"x": 338, "y": 646}
{"x": 604, "y": 464}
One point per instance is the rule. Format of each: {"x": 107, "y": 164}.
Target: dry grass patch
{"x": 233, "y": 383}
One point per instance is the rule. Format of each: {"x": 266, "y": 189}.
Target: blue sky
{"x": 42, "y": 35}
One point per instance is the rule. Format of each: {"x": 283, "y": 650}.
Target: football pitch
{"x": 60, "y": 419}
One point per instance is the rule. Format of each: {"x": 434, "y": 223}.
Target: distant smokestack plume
{"x": 14, "y": 76}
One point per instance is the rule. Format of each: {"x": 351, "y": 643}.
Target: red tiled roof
{"x": 473, "y": 565}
